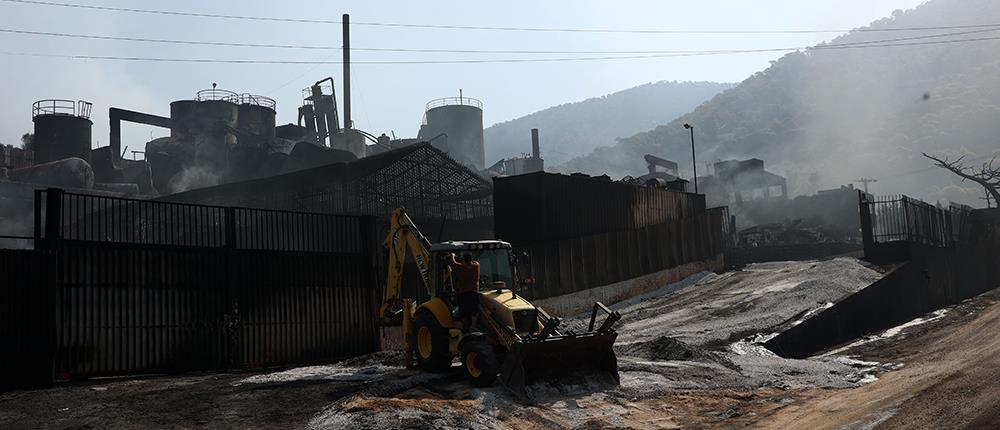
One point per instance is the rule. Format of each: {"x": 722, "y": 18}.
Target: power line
{"x": 431, "y": 50}
{"x": 858, "y": 45}
{"x": 471, "y": 27}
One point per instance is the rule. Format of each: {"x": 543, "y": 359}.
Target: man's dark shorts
{"x": 468, "y": 304}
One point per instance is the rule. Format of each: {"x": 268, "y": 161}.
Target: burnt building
{"x": 667, "y": 177}
{"x": 526, "y": 163}
{"x": 735, "y": 182}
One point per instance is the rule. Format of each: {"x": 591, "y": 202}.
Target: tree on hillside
{"x": 987, "y": 175}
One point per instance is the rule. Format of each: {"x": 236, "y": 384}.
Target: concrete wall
{"x": 800, "y": 252}
{"x": 934, "y": 277}
{"x": 582, "y": 301}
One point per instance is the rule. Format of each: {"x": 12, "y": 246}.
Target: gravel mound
{"x": 665, "y": 348}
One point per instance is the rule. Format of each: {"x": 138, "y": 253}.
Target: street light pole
{"x": 694, "y": 163}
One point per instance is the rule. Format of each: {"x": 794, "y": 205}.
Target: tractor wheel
{"x": 430, "y": 340}
{"x": 479, "y": 363}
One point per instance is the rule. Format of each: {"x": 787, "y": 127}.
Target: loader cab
{"x": 495, "y": 259}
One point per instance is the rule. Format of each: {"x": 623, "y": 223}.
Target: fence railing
{"x": 900, "y": 218}
{"x": 77, "y": 108}
{"x": 118, "y": 220}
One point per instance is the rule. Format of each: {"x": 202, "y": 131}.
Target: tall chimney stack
{"x": 348, "y": 124}
{"x": 535, "y": 150}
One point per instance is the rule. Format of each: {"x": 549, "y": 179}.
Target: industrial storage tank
{"x": 206, "y": 123}
{"x": 255, "y": 122}
{"x": 255, "y": 130}
{"x": 62, "y": 130}
{"x": 455, "y": 125}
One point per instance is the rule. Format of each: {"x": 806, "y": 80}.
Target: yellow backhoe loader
{"x": 517, "y": 341}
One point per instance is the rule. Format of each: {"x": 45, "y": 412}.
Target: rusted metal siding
{"x": 570, "y": 265}
{"x": 545, "y": 206}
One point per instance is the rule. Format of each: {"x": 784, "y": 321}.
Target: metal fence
{"x": 570, "y": 265}
{"x": 894, "y": 218}
{"x": 25, "y": 316}
{"x": 545, "y": 206}
{"x": 152, "y": 287}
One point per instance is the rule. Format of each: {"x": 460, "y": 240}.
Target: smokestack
{"x": 347, "y": 72}
{"x": 535, "y": 150}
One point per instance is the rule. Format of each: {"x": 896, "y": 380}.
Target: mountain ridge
{"x": 825, "y": 117}
{"x": 575, "y": 128}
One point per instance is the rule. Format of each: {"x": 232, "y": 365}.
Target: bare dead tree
{"x": 987, "y": 175}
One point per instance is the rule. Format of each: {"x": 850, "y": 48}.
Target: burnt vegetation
{"x": 986, "y": 175}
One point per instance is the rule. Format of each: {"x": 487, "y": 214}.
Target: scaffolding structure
{"x": 419, "y": 177}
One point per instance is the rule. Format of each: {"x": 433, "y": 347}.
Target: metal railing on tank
{"x": 215, "y": 94}
{"x": 454, "y": 101}
{"x": 258, "y": 100}
{"x": 78, "y": 108}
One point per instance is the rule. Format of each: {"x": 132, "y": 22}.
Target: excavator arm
{"x": 403, "y": 237}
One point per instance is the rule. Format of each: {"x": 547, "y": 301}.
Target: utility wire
{"x": 471, "y": 27}
{"x": 858, "y": 45}
{"x": 422, "y": 50}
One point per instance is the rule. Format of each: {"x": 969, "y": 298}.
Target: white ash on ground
{"x": 703, "y": 333}
{"x": 905, "y": 377}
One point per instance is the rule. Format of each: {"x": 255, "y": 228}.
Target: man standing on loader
{"x": 467, "y": 289}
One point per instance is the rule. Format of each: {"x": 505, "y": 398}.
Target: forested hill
{"x": 574, "y": 129}
{"x": 824, "y": 117}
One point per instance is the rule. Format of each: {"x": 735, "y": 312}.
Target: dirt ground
{"x": 689, "y": 357}
{"x": 950, "y": 379}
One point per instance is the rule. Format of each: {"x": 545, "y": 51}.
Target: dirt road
{"x": 951, "y": 380}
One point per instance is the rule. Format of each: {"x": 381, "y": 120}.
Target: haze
{"x": 390, "y": 98}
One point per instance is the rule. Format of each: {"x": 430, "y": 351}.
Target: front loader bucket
{"x": 560, "y": 363}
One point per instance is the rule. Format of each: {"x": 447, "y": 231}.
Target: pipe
{"x": 116, "y": 116}
{"x": 347, "y": 72}
{"x": 535, "y": 150}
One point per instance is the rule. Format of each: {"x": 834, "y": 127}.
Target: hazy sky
{"x": 391, "y": 97}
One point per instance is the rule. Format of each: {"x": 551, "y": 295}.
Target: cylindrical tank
{"x": 61, "y": 131}
{"x": 206, "y": 125}
{"x": 460, "y": 120}
{"x": 352, "y": 141}
{"x": 255, "y": 120}
{"x": 71, "y": 172}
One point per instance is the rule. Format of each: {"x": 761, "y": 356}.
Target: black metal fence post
{"x": 867, "y": 236}
{"x": 53, "y": 217}
{"x": 232, "y": 316}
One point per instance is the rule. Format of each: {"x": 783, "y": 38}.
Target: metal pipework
{"x": 116, "y": 116}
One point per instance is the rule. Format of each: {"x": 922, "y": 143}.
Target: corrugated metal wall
{"x": 545, "y": 206}
{"x": 26, "y": 322}
{"x": 570, "y": 265}
{"x": 153, "y": 287}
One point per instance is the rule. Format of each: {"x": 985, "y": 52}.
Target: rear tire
{"x": 479, "y": 363}
{"x": 430, "y": 343}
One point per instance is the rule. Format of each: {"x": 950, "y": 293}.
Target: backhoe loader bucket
{"x": 563, "y": 361}
{"x": 560, "y": 361}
